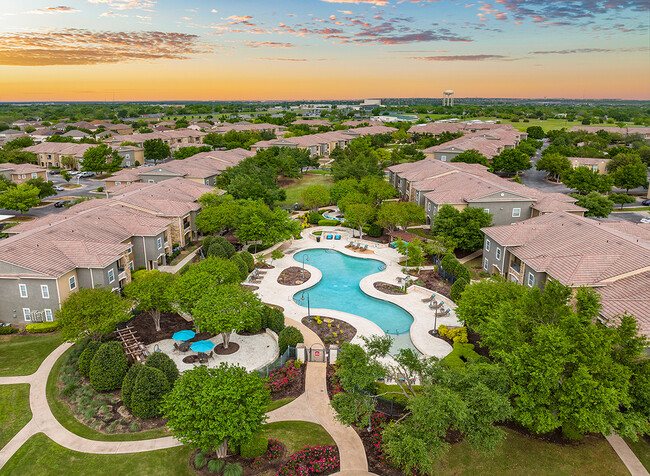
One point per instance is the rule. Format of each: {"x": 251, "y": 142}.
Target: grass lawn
{"x": 297, "y": 186}
{"x": 274, "y": 405}
{"x": 64, "y": 415}
{"x": 40, "y": 456}
{"x": 475, "y": 267}
{"x": 14, "y": 410}
{"x": 295, "y": 435}
{"x": 399, "y": 396}
{"x": 633, "y": 209}
{"x": 519, "y": 454}
{"x": 641, "y": 449}
{"x": 21, "y": 355}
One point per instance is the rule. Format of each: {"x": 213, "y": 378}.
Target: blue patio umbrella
{"x": 183, "y": 335}
{"x": 202, "y": 346}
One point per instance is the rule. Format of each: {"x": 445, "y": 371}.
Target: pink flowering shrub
{"x": 310, "y": 460}
{"x": 274, "y": 449}
{"x": 281, "y": 378}
{"x": 257, "y": 463}
{"x": 333, "y": 380}
{"x": 378, "y": 422}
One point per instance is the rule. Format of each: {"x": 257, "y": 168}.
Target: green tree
{"x": 211, "y": 409}
{"x": 535, "y": 132}
{"x": 68, "y": 162}
{"x": 484, "y": 297}
{"x": 155, "y": 149}
{"x": 413, "y": 252}
{"x": 257, "y": 222}
{"x": 214, "y": 139}
{"x": 66, "y": 175}
{"x": 377, "y": 189}
{"x": 19, "y": 143}
{"x": 597, "y": 205}
{"x": 631, "y": 176}
{"x": 95, "y": 158}
{"x": 471, "y": 156}
{"x": 621, "y": 198}
{"x": 585, "y": 180}
{"x": 45, "y": 189}
{"x": 511, "y": 161}
{"x": 315, "y": 196}
{"x": 359, "y": 215}
{"x": 622, "y": 159}
{"x": 91, "y": 313}
{"x": 185, "y": 152}
{"x": 226, "y": 308}
{"x": 555, "y": 165}
{"x": 464, "y": 228}
{"x": 151, "y": 291}
{"x": 108, "y": 367}
{"x": 149, "y": 389}
{"x": 217, "y": 213}
{"x": 399, "y": 214}
{"x": 22, "y": 197}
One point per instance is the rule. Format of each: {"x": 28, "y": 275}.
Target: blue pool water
{"x": 339, "y": 290}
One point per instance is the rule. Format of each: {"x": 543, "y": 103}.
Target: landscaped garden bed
{"x": 170, "y": 323}
{"x": 294, "y": 276}
{"x": 330, "y": 330}
{"x": 433, "y": 281}
{"x": 387, "y": 288}
{"x": 288, "y": 381}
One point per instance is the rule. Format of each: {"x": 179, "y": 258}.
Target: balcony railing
{"x": 120, "y": 269}
{"x": 516, "y": 267}
{"x": 186, "y": 225}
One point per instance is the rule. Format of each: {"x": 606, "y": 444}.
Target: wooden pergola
{"x": 133, "y": 347}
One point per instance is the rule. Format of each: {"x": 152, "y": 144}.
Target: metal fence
{"x": 385, "y": 406}
{"x": 447, "y": 276}
{"x": 288, "y": 354}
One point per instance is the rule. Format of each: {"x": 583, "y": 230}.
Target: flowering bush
{"x": 257, "y": 463}
{"x": 378, "y": 422}
{"x": 456, "y": 335}
{"x": 310, "y": 460}
{"x": 283, "y": 377}
{"x": 334, "y": 381}
{"x": 274, "y": 449}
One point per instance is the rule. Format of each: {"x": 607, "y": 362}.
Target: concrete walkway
{"x": 177, "y": 267}
{"x": 631, "y": 462}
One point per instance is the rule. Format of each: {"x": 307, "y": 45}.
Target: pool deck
{"x": 271, "y": 292}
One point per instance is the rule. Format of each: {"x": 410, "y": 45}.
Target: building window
{"x": 111, "y": 275}
{"x": 27, "y": 314}
{"x": 429, "y": 206}
{"x": 150, "y": 181}
{"x": 159, "y": 242}
{"x": 498, "y": 254}
{"x": 129, "y": 251}
{"x": 485, "y": 264}
{"x": 487, "y": 245}
{"x": 48, "y": 315}
{"x": 531, "y": 280}
{"x": 207, "y": 181}
{"x": 45, "y": 291}
{"x": 23, "y": 290}
{"x": 486, "y": 210}
{"x": 594, "y": 168}
{"x": 516, "y": 212}
{"x": 443, "y": 158}
{"x": 73, "y": 283}
{"x": 118, "y": 183}
{"x": 34, "y": 175}
{"x": 131, "y": 265}
{"x": 128, "y": 164}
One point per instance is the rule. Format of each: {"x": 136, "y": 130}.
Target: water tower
{"x": 448, "y": 98}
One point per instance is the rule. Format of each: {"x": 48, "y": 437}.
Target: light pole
{"x": 435, "y": 319}
{"x": 304, "y": 258}
{"x": 302, "y": 298}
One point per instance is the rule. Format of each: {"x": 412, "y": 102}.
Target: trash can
{"x": 318, "y": 239}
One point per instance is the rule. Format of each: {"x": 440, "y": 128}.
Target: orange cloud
{"x": 52, "y": 10}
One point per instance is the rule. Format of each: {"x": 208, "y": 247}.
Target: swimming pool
{"x": 339, "y": 290}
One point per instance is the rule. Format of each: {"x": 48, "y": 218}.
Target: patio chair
{"x": 429, "y": 299}
{"x": 176, "y": 348}
{"x": 203, "y": 358}
{"x": 211, "y": 355}
{"x": 184, "y": 346}
{"x": 443, "y": 313}
{"x": 337, "y": 237}
{"x": 329, "y": 237}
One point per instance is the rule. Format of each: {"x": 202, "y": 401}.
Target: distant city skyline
{"x": 126, "y": 50}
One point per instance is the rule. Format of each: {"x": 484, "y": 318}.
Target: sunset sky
{"x": 124, "y": 50}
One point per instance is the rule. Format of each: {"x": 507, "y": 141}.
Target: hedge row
{"x": 42, "y": 327}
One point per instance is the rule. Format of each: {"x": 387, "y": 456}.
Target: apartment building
{"x": 595, "y": 164}
{"x": 95, "y": 243}
{"x": 51, "y": 154}
{"x": 611, "y": 257}
{"x": 489, "y": 144}
{"x": 175, "y": 139}
{"x": 20, "y": 173}
{"x": 432, "y": 183}
{"x": 642, "y": 131}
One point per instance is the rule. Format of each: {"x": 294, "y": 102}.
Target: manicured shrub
{"x": 276, "y": 320}
{"x": 129, "y": 382}
{"x": 289, "y": 337}
{"x": 86, "y": 357}
{"x": 228, "y": 247}
{"x": 248, "y": 259}
{"x": 199, "y": 460}
{"x": 42, "y": 327}
{"x": 108, "y": 367}
{"x": 243, "y": 269}
{"x": 217, "y": 250}
{"x": 314, "y": 217}
{"x": 375, "y": 230}
{"x": 255, "y": 447}
{"x": 457, "y": 288}
{"x": 164, "y": 363}
{"x": 326, "y": 222}
{"x": 255, "y": 324}
{"x": 456, "y": 335}
{"x": 207, "y": 241}
{"x": 4, "y": 330}
{"x": 264, "y": 317}
{"x": 100, "y": 189}
{"x": 215, "y": 465}
{"x": 233, "y": 469}
{"x": 449, "y": 263}
{"x": 150, "y": 386}
{"x": 184, "y": 269}
{"x": 462, "y": 353}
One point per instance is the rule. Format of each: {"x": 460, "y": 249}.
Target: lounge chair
{"x": 329, "y": 237}
{"x": 337, "y": 237}
{"x": 350, "y": 245}
{"x": 443, "y": 313}
{"x": 365, "y": 247}
{"x": 429, "y": 299}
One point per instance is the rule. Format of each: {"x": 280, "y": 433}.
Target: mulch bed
{"x": 264, "y": 266}
{"x": 375, "y": 464}
{"x": 294, "y": 276}
{"x": 170, "y": 323}
{"x": 296, "y": 388}
{"x": 344, "y": 331}
{"x": 387, "y": 288}
{"x": 434, "y": 281}
{"x": 219, "y": 349}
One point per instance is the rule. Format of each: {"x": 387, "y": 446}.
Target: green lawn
{"x": 519, "y": 454}
{"x": 14, "y": 410}
{"x": 295, "y": 435}
{"x": 64, "y": 415}
{"x": 633, "y": 209}
{"x": 40, "y": 456}
{"x": 21, "y": 355}
{"x": 274, "y": 405}
{"x": 295, "y": 189}
{"x": 641, "y": 449}
{"x": 475, "y": 267}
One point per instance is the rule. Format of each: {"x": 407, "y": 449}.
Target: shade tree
{"x": 463, "y": 227}
{"x": 151, "y": 291}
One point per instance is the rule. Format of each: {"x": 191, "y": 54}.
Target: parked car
{"x": 54, "y": 172}
{"x": 646, "y": 203}
{"x": 59, "y": 189}
{"x": 645, "y": 220}
{"x": 86, "y": 174}
{"x": 61, "y": 203}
